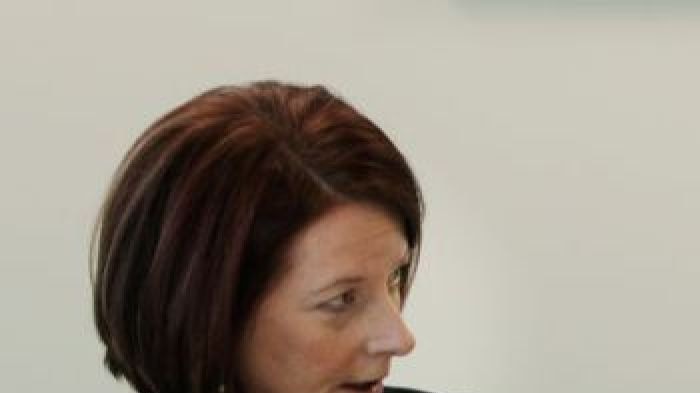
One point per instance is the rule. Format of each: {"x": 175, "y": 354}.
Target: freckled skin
{"x": 298, "y": 341}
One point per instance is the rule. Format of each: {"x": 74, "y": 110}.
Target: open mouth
{"x": 375, "y": 386}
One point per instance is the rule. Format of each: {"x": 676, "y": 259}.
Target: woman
{"x": 257, "y": 239}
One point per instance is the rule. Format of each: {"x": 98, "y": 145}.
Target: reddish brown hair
{"x": 201, "y": 209}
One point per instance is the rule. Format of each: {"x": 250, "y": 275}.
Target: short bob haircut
{"x": 200, "y": 211}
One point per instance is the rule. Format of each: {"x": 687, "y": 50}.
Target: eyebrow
{"x": 338, "y": 282}
{"x": 358, "y": 279}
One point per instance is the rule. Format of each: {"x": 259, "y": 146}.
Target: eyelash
{"x": 341, "y": 302}
{"x": 345, "y": 300}
{"x": 399, "y": 276}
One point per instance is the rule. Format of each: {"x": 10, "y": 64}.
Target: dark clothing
{"x": 396, "y": 389}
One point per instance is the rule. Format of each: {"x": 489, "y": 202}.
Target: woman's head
{"x": 205, "y": 221}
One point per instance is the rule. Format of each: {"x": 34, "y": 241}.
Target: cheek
{"x": 301, "y": 351}
{"x": 330, "y": 351}
{"x": 317, "y": 347}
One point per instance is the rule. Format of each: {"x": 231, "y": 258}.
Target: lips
{"x": 375, "y": 386}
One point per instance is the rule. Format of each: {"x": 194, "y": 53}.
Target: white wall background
{"x": 558, "y": 145}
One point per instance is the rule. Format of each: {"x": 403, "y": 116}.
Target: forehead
{"x": 350, "y": 238}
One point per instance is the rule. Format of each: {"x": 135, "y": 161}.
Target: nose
{"x": 389, "y": 335}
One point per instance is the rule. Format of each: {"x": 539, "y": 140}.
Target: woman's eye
{"x": 395, "y": 281}
{"x": 398, "y": 276}
{"x": 341, "y": 302}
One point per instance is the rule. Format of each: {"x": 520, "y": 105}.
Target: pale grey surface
{"x": 558, "y": 150}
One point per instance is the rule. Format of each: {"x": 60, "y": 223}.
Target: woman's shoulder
{"x": 398, "y": 389}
